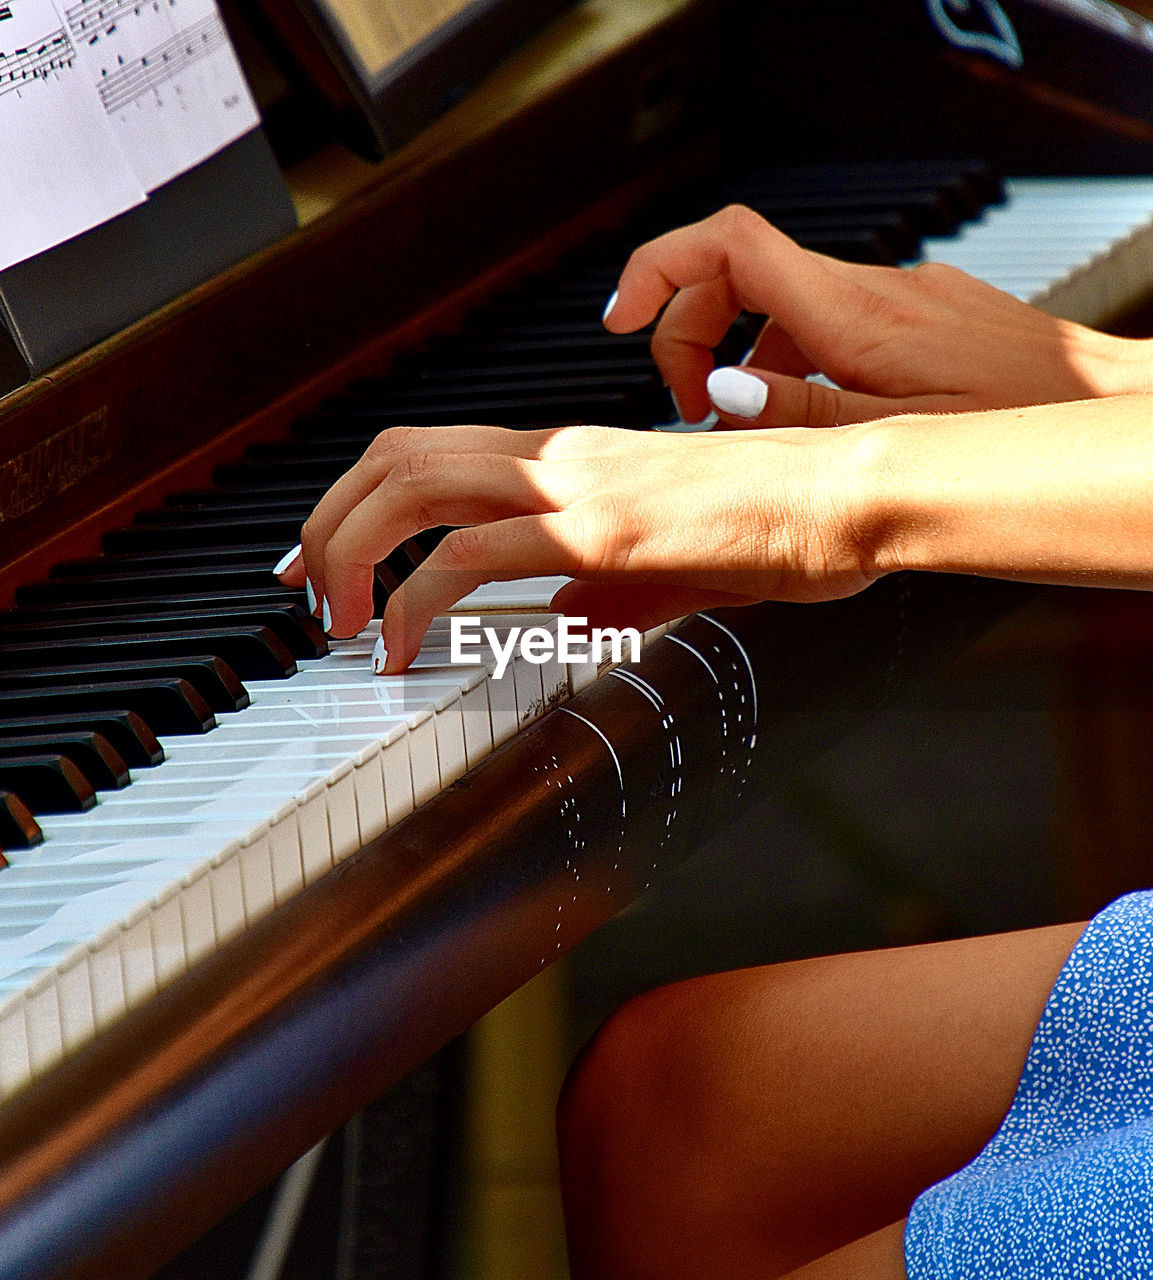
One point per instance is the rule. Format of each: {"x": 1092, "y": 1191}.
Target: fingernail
{"x": 747, "y": 356}
{"x": 325, "y": 615}
{"x": 612, "y": 302}
{"x": 379, "y": 656}
{"x": 310, "y": 595}
{"x": 287, "y": 560}
{"x": 738, "y": 393}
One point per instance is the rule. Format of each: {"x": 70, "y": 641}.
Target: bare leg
{"x": 745, "y": 1124}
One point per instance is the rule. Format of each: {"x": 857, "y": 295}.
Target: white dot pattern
{"x": 1064, "y": 1189}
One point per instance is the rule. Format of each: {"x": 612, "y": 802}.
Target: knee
{"x": 649, "y": 1088}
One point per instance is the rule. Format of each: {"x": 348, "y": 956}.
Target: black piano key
{"x": 453, "y": 350}
{"x": 47, "y": 783}
{"x": 303, "y": 490}
{"x": 251, "y": 476}
{"x": 254, "y": 653}
{"x": 165, "y": 705}
{"x": 92, "y": 753}
{"x": 480, "y": 374}
{"x": 286, "y": 507}
{"x": 292, "y": 624}
{"x": 18, "y": 828}
{"x": 123, "y": 565}
{"x": 215, "y": 681}
{"x": 256, "y": 528}
{"x": 127, "y": 731}
{"x": 249, "y": 582}
{"x": 640, "y": 387}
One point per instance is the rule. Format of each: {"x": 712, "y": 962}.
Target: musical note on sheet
{"x": 90, "y": 19}
{"x": 21, "y": 67}
{"x": 5, "y": 11}
{"x": 148, "y": 72}
{"x": 62, "y": 170}
{"x": 167, "y": 77}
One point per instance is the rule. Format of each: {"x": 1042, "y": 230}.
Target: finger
{"x": 388, "y": 450}
{"x": 423, "y": 491}
{"x": 748, "y": 397}
{"x": 524, "y": 547}
{"x": 768, "y": 272}
{"x": 694, "y": 322}
{"x": 776, "y": 351}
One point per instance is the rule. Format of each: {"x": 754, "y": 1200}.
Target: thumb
{"x": 749, "y": 398}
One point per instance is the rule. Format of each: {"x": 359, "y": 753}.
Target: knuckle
{"x": 738, "y": 221}
{"x": 462, "y": 548}
{"x": 384, "y": 448}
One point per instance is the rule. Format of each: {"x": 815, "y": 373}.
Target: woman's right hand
{"x": 896, "y": 341}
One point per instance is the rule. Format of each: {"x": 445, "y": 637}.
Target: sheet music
{"x": 61, "y": 169}
{"x": 166, "y": 77}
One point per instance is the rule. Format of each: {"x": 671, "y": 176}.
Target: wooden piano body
{"x": 132, "y": 1147}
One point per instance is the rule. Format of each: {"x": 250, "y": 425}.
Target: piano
{"x": 281, "y": 921}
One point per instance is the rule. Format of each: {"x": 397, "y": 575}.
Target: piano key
{"x": 210, "y": 677}
{"x": 241, "y": 529}
{"x": 47, "y": 783}
{"x": 129, "y": 734}
{"x": 251, "y": 581}
{"x": 18, "y": 828}
{"x": 166, "y": 705}
{"x": 276, "y": 608}
{"x": 90, "y": 752}
{"x": 251, "y": 652}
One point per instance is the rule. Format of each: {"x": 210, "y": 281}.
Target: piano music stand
{"x": 73, "y": 295}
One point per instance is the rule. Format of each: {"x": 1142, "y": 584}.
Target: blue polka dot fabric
{"x": 1064, "y": 1190}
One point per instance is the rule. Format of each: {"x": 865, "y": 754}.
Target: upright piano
{"x": 217, "y": 1016}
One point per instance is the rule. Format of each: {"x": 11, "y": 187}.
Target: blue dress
{"x": 1064, "y": 1189}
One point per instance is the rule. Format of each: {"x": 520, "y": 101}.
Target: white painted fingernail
{"x": 379, "y": 656}
{"x": 752, "y": 351}
{"x": 325, "y": 615}
{"x": 738, "y": 393}
{"x": 310, "y": 595}
{"x": 287, "y": 560}
{"x": 612, "y": 302}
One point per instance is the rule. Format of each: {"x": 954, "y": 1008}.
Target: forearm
{"x": 1058, "y": 493}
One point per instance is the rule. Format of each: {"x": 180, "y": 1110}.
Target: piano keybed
{"x": 283, "y": 754}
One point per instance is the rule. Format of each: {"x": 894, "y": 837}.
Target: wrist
{"x": 881, "y": 502}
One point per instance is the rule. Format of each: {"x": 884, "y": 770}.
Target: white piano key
{"x": 340, "y": 801}
{"x": 284, "y": 848}
{"x": 228, "y": 893}
{"x": 107, "y": 968}
{"x": 198, "y": 915}
{"x": 136, "y": 952}
{"x": 168, "y": 953}
{"x": 255, "y": 858}
{"x": 77, "y": 1019}
{"x": 368, "y": 786}
{"x": 396, "y": 774}
{"x": 312, "y": 824}
{"x": 15, "y": 1055}
{"x": 452, "y": 760}
{"x": 45, "y": 1034}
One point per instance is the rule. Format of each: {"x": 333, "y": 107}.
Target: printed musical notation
{"x": 5, "y": 11}
{"x": 147, "y": 73}
{"x": 35, "y": 62}
{"x": 91, "y": 19}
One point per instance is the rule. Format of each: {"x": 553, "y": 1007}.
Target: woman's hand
{"x": 653, "y": 525}
{"x": 929, "y": 340}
